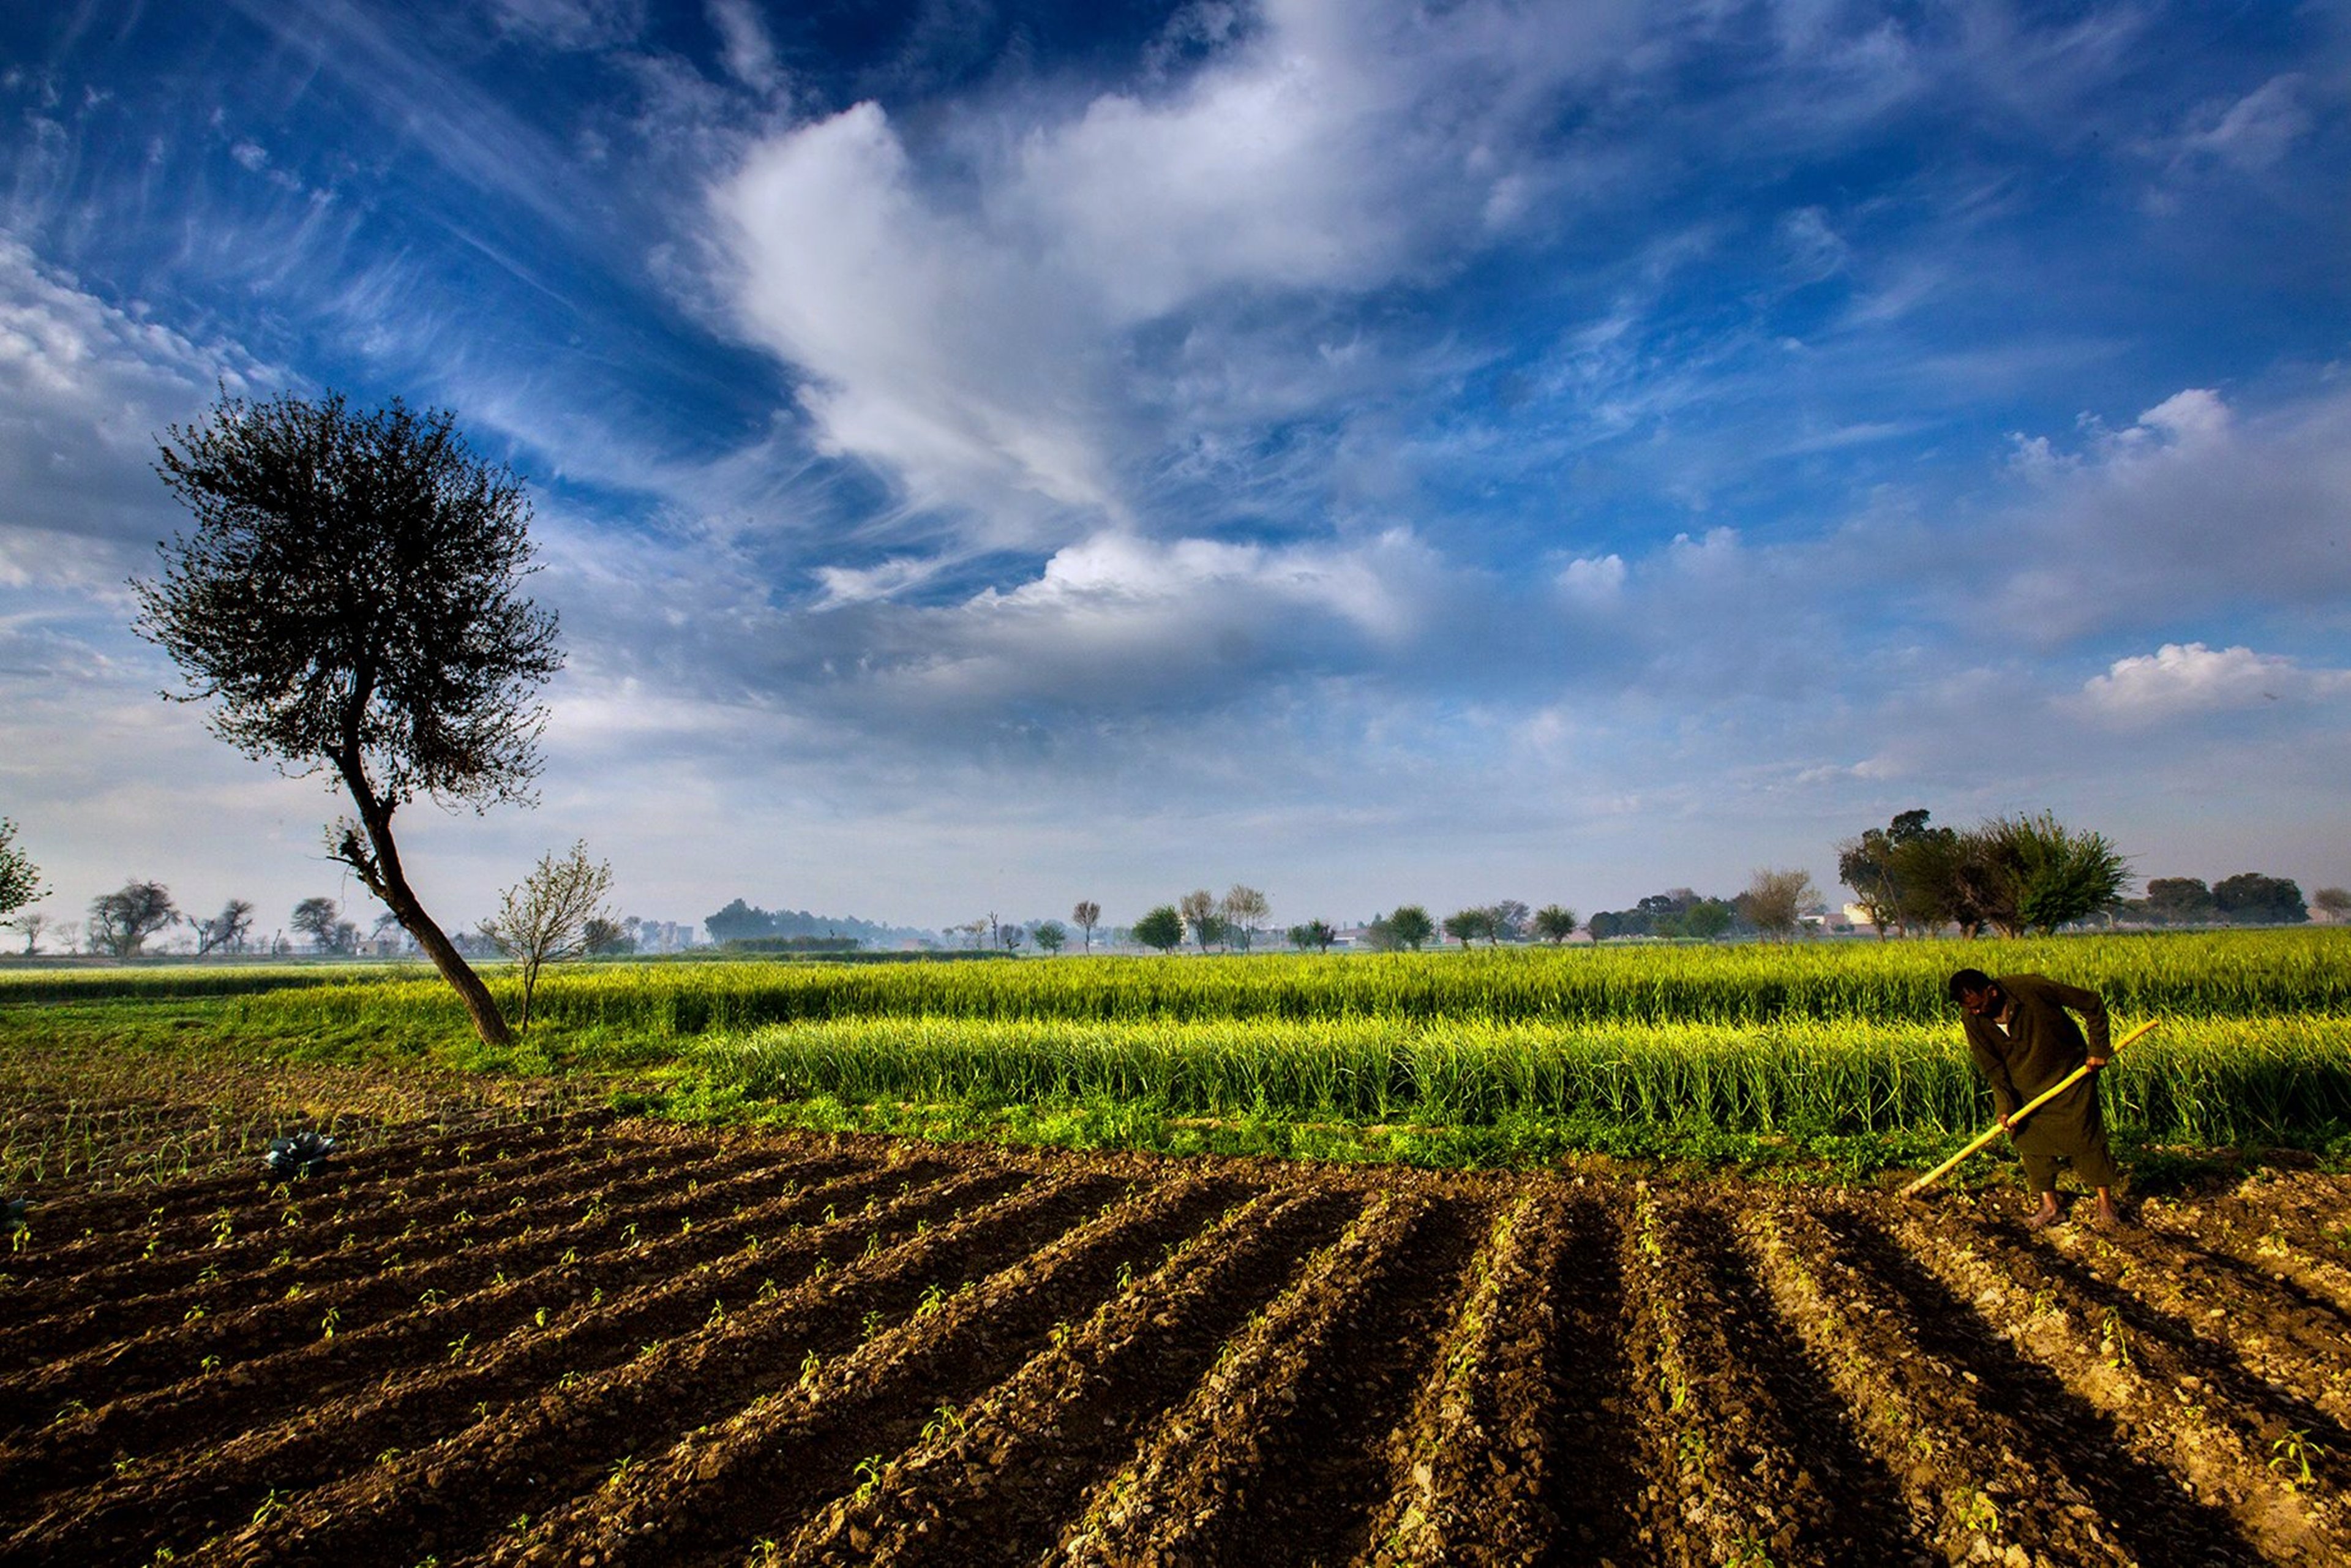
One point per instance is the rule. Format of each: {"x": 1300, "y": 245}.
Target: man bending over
{"x": 2023, "y": 1042}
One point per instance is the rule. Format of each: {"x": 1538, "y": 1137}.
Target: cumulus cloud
{"x": 2195, "y": 509}
{"x": 2181, "y": 679}
{"x": 975, "y": 317}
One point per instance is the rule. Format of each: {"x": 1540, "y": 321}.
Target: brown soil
{"x": 600, "y": 1342}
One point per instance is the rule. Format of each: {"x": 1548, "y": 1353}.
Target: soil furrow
{"x": 222, "y": 1336}
{"x": 993, "y": 1482}
{"x": 1275, "y": 1459}
{"x": 1800, "y": 1485}
{"x": 572, "y": 1331}
{"x": 1570, "y": 1342}
{"x": 450, "y": 1498}
{"x": 160, "y": 1253}
{"x": 2173, "y": 1399}
{"x": 1464, "y": 1472}
{"x": 761, "y": 1475}
{"x": 349, "y": 1169}
{"x": 319, "y": 1255}
{"x": 2145, "y": 1509}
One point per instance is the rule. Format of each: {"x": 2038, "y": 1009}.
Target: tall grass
{"x": 2198, "y": 1080}
{"x": 2214, "y": 974}
{"x": 1850, "y": 1037}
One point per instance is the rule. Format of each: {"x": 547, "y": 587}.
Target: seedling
{"x": 869, "y": 1469}
{"x": 2290, "y": 1458}
{"x": 2113, "y": 1340}
{"x": 1975, "y": 1510}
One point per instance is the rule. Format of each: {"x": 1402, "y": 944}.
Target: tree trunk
{"x": 378, "y": 865}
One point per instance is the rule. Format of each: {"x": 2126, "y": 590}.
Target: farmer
{"x": 2023, "y": 1042}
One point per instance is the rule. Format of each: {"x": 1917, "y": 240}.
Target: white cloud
{"x": 2256, "y": 131}
{"x": 85, "y": 388}
{"x": 2195, "y": 511}
{"x": 2181, "y": 679}
{"x": 967, "y": 311}
{"x": 749, "y": 54}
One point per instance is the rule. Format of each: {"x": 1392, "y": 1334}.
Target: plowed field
{"x": 590, "y": 1342}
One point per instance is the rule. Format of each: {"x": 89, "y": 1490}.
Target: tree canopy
{"x": 1162, "y": 927}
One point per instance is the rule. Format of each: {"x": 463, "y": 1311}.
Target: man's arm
{"x": 1985, "y": 1050}
{"x": 2094, "y": 1014}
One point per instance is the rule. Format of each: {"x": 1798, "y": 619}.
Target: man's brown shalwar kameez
{"x": 2038, "y": 1046}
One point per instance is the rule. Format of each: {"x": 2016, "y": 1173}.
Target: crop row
{"x": 2231, "y": 975}
{"x": 817, "y": 1352}
{"x": 2205, "y": 1081}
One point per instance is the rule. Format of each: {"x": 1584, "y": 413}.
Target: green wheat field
{"x": 1842, "y": 1051}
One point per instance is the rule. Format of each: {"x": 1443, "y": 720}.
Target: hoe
{"x": 2038, "y": 1101}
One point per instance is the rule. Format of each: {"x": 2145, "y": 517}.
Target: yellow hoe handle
{"x": 2038, "y": 1101}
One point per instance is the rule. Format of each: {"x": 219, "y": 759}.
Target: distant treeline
{"x": 741, "y": 922}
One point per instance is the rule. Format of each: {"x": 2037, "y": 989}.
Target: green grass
{"x": 1841, "y": 1055}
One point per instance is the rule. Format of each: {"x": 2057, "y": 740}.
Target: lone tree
{"x": 349, "y": 602}
{"x": 321, "y": 920}
{"x": 1242, "y": 908}
{"x": 1203, "y": 917}
{"x": 1411, "y": 926}
{"x": 1775, "y": 900}
{"x": 1086, "y": 915}
{"x": 1316, "y": 934}
{"x": 122, "y": 921}
{"x": 1052, "y": 935}
{"x": 1555, "y": 923}
{"x": 546, "y": 918}
{"x": 1163, "y": 928}
{"x": 225, "y": 932}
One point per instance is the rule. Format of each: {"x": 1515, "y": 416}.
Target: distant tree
{"x": 741, "y": 922}
{"x": 1606, "y": 924}
{"x": 544, "y": 919}
{"x": 1464, "y": 925}
{"x": 1555, "y": 923}
{"x": 2048, "y": 875}
{"x": 1774, "y": 900}
{"x": 317, "y": 918}
{"x": 2254, "y": 899}
{"x": 350, "y": 602}
{"x": 1203, "y": 917}
{"x": 1163, "y": 928}
{"x": 1011, "y": 935}
{"x": 1412, "y": 927}
{"x": 1052, "y": 935}
{"x": 1708, "y": 919}
{"x": 2179, "y": 900}
{"x": 1242, "y": 908}
{"x": 1942, "y": 877}
{"x": 2334, "y": 903}
{"x": 225, "y": 932}
{"x": 20, "y": 879}
{"x": 122, "y": 921}
{"x": 1316, "y": 934}
{"x": 1511, "y": 918}
{"x": 1086, "y": 915}
{"x": 31, "y": 923}
{"x": 1873, "y": 867}
{"x": 602, "y": 936}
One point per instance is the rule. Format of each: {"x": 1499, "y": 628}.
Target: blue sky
{"x": 987, "y": 455}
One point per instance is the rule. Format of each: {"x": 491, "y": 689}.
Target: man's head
{"x": 1975, "y": 991}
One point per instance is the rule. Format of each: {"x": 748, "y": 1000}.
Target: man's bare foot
{"x": 2043, "y": 1218}
{"x": 2111, "y": 1217}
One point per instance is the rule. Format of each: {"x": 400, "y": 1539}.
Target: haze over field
{"x": 992, "y": 454}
